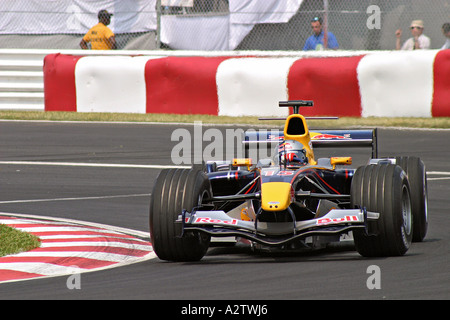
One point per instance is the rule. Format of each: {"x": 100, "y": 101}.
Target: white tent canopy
{"x": 199, "y": 32}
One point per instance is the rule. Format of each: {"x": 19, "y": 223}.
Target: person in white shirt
{"x": 418, "y": 39}
{"x": 446, "y": 32}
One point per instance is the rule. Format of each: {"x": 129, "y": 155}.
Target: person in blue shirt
{"x": 315, "y": 42}
{"x": 446, "y": 32}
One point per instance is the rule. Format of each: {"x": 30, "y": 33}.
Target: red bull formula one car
{"x": 292, "y": 200}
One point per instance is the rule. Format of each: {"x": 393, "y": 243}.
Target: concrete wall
{"x": 359, "y": 84}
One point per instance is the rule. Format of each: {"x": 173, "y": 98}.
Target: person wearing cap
{"x": 100, "y": 36}
{"x": 446, "y": 32}
{"x": 316, "y": 41}
{"x": 418, "y": 39}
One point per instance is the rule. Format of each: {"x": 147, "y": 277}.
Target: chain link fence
{"x": 219, "y": 25}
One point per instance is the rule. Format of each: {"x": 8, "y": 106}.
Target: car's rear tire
{"x": 383, "y": 189}
{"x": 417, "y": 177}
{"x": 175, "y": 190}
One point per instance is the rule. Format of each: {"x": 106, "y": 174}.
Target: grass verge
{"x": 13, "y": 241}
{"x": 438, "y": 123}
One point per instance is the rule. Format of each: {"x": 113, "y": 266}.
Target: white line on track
{"x": 85, "y": 164}
{"x": 443, "y": 173}
{"x": 438, "y": 173}
{"x": 442, "y": 178}
{"x": 79, "y": 198}
{"x": 120, "y": 165}
{"x": 75, "y": 164}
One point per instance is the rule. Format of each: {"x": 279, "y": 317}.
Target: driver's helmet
{"x": 291, "y": 153}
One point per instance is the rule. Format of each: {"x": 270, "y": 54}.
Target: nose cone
{"x": 276, "y": 196}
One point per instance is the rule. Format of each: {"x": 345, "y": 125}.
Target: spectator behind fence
{"x": 100, "y": 36}
{"x": 446, "y": 32}
{"x": 418, "y": 39}
{"x": 315, "y": 42}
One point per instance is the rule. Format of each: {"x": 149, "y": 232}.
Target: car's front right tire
{"x": 417, "y": 178}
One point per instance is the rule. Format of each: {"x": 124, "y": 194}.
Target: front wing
{"x": 218, "y": 224}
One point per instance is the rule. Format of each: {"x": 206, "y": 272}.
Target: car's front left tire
{"x": 383, "y": 189}
{"x": 175, "y": 190}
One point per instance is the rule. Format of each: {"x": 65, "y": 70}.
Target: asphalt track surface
{"x": 119, "y": 196}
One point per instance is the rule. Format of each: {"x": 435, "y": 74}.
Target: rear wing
{"x": 319, "y": 139}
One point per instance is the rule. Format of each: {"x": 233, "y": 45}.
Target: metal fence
{"x": 216, "y": 25}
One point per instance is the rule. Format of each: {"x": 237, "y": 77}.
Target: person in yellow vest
{"x": 100, "y": 36}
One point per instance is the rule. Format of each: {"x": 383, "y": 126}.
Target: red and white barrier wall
{"x": 385, "y": 84}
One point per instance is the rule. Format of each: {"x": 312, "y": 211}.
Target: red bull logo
{"x": 329, "y": 137}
